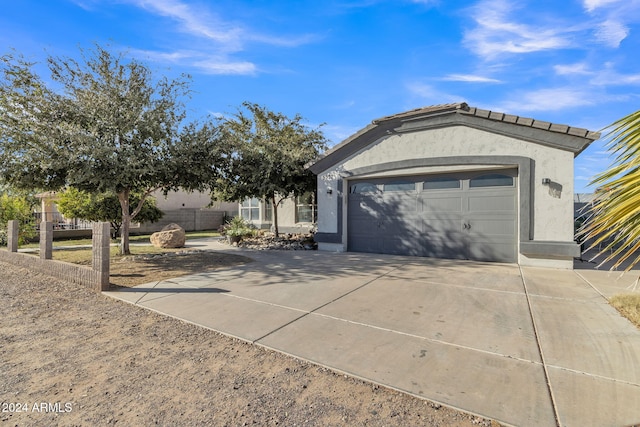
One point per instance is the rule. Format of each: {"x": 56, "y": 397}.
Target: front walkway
{"x": 524, "y": 346}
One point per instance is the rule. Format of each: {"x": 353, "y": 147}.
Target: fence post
{"x": 100, "y": 239}
{"x": 46, "y": 240}
{"x": 13, "y": 228}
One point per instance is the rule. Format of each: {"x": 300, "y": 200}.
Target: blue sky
{"x": 345, "y": 63}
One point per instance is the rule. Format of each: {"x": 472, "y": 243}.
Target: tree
{"x": 74, "y": 203}
{"x": 20, "y": 208}
{"x": 266, "y": 158}
{"x": 108, "y": 127}
{"x": 614, "y": 215}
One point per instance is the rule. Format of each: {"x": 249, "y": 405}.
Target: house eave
{"x": 549, "y": 134}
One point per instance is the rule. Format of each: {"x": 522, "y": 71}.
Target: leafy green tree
{"x": 104, "y": 126}
{"x": 17, "y": 208}
{"x": 74, "y": 203}
{"x": 613, "y": 218}
{"x": 266, "y": 158}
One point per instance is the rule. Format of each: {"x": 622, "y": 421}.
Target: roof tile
{"x": 559, "y": 128}
{"x": 541, "y": 124}
{"x": 525, "y": 121}
{"x": 577, "y": 132}
{"x": 463, "y": 108}
{"x": 510, "y": 118}
{"x": 482, "y": 113}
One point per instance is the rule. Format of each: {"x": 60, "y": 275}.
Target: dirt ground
{"x": 136, "y": 270}
{"x": 69, "y": 356}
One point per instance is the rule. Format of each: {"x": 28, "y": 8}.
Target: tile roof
{"x": 464, "y": 108}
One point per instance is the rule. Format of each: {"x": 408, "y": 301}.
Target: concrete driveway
{"x": 524, "y": 346}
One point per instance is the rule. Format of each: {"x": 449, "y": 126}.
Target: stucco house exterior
{"x": 453, "y": 181}
{"x": 295, "y": 214}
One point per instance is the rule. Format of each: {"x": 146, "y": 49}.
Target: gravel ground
{"x": 69, "y": 356}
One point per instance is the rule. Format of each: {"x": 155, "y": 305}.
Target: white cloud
{"x": 199, "y": 23}
{"x": 497, "y": 33}
{"x": 499, "y": 29}
{"x": 222, "y": 66}
{"x": 205, "y": 62}
{"x": 612, "y": 32}
{"x": 572, "y": 69}
{"x": 591, "y": 5}
{"x": 470, "y": 78}
{"x": 613, "y": 18}
{"x": 431, "y": 95}
{"x": 549, "y": 100}
{"x": 610, "y": 77}
{"x": 211, "y": 39}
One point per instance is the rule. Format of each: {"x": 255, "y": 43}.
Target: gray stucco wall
{"x": 549, "y": 207}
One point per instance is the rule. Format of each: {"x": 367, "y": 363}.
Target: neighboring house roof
{"x": 583, "y": 197}
{"x": 546, "y": 133}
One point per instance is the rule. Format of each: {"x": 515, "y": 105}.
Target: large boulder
{"x": 171, "y": 236}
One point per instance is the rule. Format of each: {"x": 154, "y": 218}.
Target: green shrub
{"x": 238, "y": 227}
{"x": 17, "y": 208}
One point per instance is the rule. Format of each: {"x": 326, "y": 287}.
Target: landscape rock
{"x": 287, "y": 242}
{"x": 171, "y": 236}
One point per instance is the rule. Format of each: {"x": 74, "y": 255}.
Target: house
{"x": 195, "y": 211}
{"x": 295, "y": 214}
{"x": 191, "y": 210}
{"x": 453, "y": 181}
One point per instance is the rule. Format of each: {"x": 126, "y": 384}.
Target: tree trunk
{"x": 275, "y": 215}
{"x": 123, "y": 197}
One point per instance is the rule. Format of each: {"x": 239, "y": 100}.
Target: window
{"x": 363, "y": 187}
{"x": 491, "y": 180}
{"x": 306, "y": 208}
{"x": 268, "y": 211}
{"x": 250, "y": 209}
{"x": 400, "y": 186}
{"x": 440, "y": 183}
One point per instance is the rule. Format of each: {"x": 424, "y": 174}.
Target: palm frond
{"x": 613, "y": 218}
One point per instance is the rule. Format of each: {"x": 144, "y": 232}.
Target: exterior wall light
{"x": 329, "y": 191}
{"x": 546, "y": 181}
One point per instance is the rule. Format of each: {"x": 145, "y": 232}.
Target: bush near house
{"x": 16, "y": 208}
{"x": 237, "y": 227}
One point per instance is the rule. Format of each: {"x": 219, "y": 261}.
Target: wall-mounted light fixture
{"x": 329, "y": 191}
{"x": 546, "y": 181}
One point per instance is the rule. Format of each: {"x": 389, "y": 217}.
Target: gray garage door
{"x": 465, "y": 216}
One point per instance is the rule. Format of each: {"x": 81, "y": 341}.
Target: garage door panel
{"x": 445, "y": 222}
{"x": 361, "y": 243}
{"x": 402, "y": 246}
{"x": 491, "y": 251}
{"x": 441, "y": 224}
{"x": 400, "y": 203}
{"x": 492, "y": 203}
{"x": 493, "y": 226}
{"x": 441, "y": 204}
{"x": 366, "y": 207}
{"x": 407, "y": 227}
{"x": 445, "y": 245}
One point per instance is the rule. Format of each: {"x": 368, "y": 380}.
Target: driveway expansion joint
{"x": 327, "y": 303}
{"x": 554, "y": 404}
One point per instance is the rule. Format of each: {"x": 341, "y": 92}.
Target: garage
{"x": 453, "y": 181}
{"x": 468, "y": 215}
